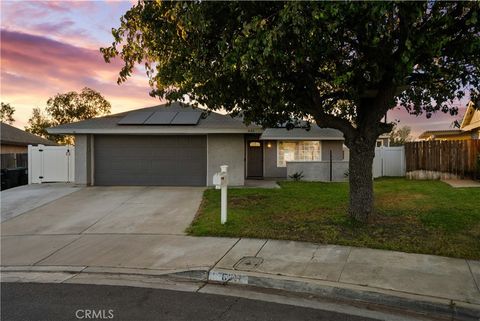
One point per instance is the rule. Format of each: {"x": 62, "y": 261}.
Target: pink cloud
{"x": 66, "y": 21}
{"x": 56, "y": 6}
{"x": 34, "y": 68}
{"x": 30, "y": 54}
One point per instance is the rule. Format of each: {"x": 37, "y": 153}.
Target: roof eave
{"x": 155, "y": 131}
{"x": 467, "y": 117}
{"x": 285, "y": 138}
{"x": 471, "y": 127}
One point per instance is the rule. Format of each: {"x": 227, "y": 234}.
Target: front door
{"x": 255, "y": 158}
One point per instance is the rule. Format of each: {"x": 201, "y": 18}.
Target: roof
{"x": 315, "y": 133}
{"x": 14, "y": 136}
{"x": 447, "y": 132}
{"x": 209, "y": 124}
{"x": 471, "y": 119}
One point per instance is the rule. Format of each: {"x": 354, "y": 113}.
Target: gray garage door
{"x": 150, "y": 160}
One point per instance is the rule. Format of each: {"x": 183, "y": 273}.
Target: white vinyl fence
{"x": 50, "y": 164}
{"x": 389, "y": 161}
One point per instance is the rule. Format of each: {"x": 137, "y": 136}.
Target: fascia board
{"x": 155, "y": 131}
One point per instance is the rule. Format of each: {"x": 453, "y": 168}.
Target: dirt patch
{"x": 398, "y": 200}
{"x": 386, "y": 220}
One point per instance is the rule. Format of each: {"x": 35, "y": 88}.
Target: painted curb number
{"x": 227, "y": 277}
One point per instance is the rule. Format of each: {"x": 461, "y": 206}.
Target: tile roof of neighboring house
{"x": 446, "y": 132}
{"x": 13, "y": 136}
{"x": 212, "y": 123}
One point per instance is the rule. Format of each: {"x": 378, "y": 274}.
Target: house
{"x": 469, "y": 128}
{"x": 383, "y": 141}
{"x": 16, "y": 141}
{"x": 179, "y": 145}
{"x": 13, "y": 154}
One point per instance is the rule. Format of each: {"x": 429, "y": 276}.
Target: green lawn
{"x": 411, "y": 216}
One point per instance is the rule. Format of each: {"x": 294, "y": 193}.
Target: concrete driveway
{"x": 122, "y": 227}
{"x": 119, "y": 227}
{"x": 111, "y": 210}
{"x": 21, "y": 199}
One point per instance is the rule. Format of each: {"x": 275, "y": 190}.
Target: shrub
{"x": 296, "y": 176}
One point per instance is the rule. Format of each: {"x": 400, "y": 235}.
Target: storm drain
{"x": 248, "y": 263}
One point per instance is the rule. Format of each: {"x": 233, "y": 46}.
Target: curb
{"x": 444, "y": 308}
{"x": 326, "y": 290}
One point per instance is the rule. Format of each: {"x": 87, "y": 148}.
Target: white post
{"x": 29, "y": 164}
{"x": 223, "y": 213}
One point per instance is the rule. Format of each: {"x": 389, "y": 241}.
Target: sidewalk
{"x": 329, "y": 270}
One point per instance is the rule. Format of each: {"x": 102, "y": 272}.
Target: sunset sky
{"x": 52, "y": 47}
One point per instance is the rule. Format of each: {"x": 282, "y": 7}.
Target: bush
{"x": 296, "y": 176}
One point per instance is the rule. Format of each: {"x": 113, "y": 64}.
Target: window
{"x": 254, "y": 144}
{"x": 379, "y": 143}
{"x": 304, "y": 151}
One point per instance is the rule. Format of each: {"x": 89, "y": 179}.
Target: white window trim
{"x": 296, "y": 141}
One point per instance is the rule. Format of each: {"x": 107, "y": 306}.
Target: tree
{"x": 38, "y": 124}
{"x": 340, "y": 64}
{"x": 399, "y": 136}
{"x": 67, "y": 108}
{"x": 6, "y": 113}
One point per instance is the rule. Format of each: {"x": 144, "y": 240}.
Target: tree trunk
{"x": 362, "y": 153}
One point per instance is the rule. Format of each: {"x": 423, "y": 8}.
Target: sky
{"x": 50, "y": 47}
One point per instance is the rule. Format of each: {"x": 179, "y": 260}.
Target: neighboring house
{"x": 383, "y": 141}
{"x": 16, "y": 141}
{"x": 469, "y": 128}
{"x": 178, "y": 145}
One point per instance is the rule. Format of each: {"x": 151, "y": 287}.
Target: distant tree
{"x": 73, "y": 106}
{"x": 67, "y": 108}
{"x": 39, "y": 122}
{"x": 6, "y": 113}
{"x": 399, "y": 136}
{"x": 340, "y": 64}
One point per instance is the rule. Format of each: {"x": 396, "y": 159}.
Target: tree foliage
{"x": 270, "y": 61}
{"x": 6, "y": 113}
{"x": 340, "y": 64}
{"x": 39, "y": 122}
{"x": 400, "y": 135}
{"x": 73, "y": 106}
{"x": 66, "y": 108}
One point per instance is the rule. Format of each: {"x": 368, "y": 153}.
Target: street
{"x": 34, "y": 301}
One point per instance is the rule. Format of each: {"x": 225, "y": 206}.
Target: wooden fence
{"x": 458, "y": 157}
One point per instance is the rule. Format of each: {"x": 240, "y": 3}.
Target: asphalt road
{"x": 34, "y": 301}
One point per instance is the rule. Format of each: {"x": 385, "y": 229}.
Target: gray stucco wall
{"x": 319, "y": 171}
{"x": 83, "y": 159}
{"x": 226, "y": 149}
{"x": 270, "y": 162}
{"x": 336, "y": 146}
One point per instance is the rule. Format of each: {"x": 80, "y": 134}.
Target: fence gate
{"x": 389, "y": 161}
{"x": 50, "y": 164}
